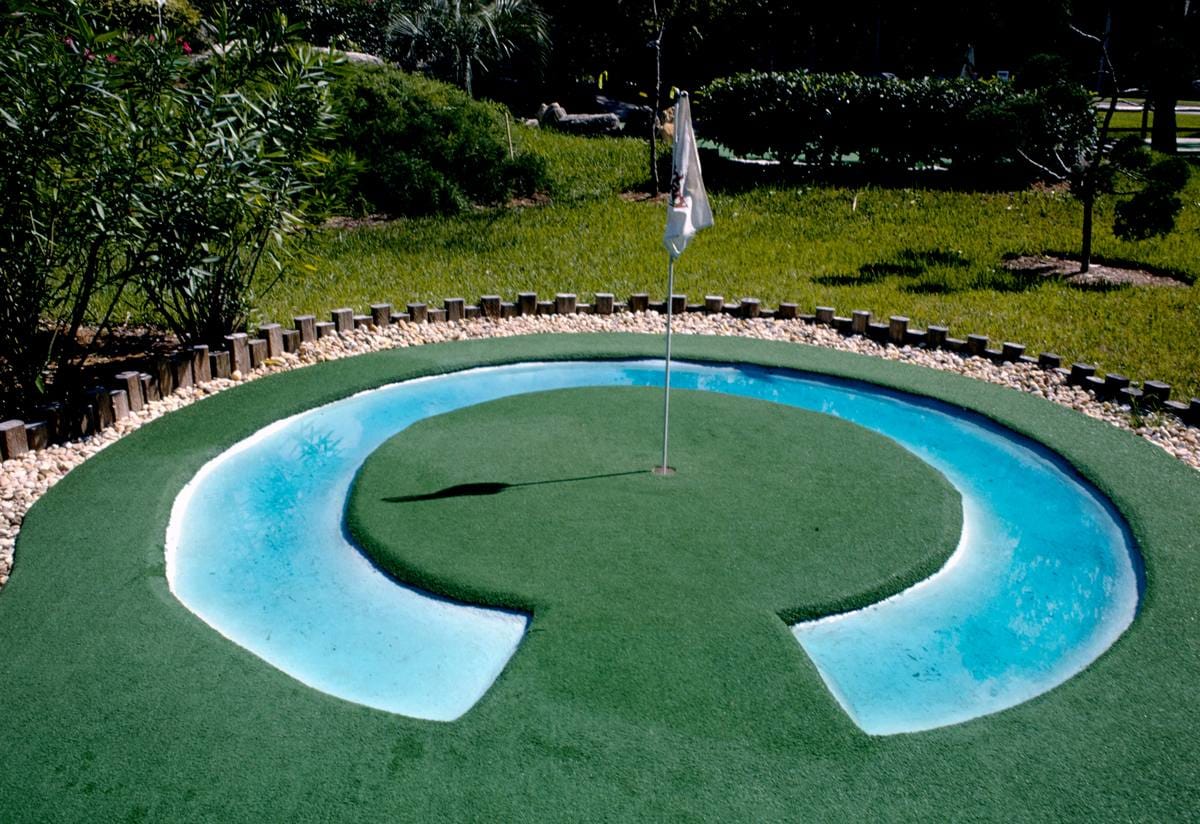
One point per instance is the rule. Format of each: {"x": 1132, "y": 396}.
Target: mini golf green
{"x": 655, "y": 598}
{"x": 545, "y": 502}
{"x": 119, "y": 704}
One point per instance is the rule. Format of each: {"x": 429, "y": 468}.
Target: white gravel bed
{"x": 24, "y": 479}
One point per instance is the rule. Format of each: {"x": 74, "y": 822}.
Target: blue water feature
{"x": 1044, "y": 579}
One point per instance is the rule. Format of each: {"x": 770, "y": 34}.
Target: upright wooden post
{"x": 306, "y": 326}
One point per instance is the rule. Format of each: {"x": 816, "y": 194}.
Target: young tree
{"x": 456, "y": 38}
{"x": 1102, "y": 167}
{"x": 658, "y": 25}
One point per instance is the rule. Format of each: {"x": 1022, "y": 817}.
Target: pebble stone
{"x": 24, "y": 479}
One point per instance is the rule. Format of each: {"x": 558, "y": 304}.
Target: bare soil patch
{"x": 347, "y": 222}
{"x": 1099, "y": 275}
{"x": 644, "y": 197}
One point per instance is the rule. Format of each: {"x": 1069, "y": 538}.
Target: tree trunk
{"x": 1103, "y": 77}
{"x": 1089, "y": 208}
{"x": 655, "y": 97}
{"x": 1162, "y": 136}
{"x": 877, "y": 50}
{"x": 654, "y": 182}
{"x": 1090, "y": 178}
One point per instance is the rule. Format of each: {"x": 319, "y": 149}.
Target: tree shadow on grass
{"x": 933, "y": 272}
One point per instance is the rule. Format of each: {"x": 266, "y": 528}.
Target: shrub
{"x": 425, "y": 147}
{"x": 233, "y": 175}
{"x": 67, "y": 242}
{"x": 893, "y": 125}
{"x": 354, "y": 25}
{"x": 128, "y": 168}
{"x": 1152, "y": 210}
{"x": 455, "y": 41}
{"x": 348, "y": 25}
{"x": 142, "y": 16}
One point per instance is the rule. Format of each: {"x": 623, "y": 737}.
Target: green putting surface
{"x": 119, "y": 704}
{"x": 656, "y": 599}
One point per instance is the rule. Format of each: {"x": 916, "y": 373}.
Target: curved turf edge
{"x": 119, "y": 704}
{"x": 761, "y": 492}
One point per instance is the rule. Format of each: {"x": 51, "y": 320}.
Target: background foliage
{"x": 232, "y": 173}
{"x": 132, "y": 170}
{"x": 424, "y": 147}
{"x": 977, "y": 126}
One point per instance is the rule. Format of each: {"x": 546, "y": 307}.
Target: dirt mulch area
{"x": 1098, "y": 275}
{"x": 536, "y": 199}
{"x": 345, "y": 222}
{"x": 644, "y": 197}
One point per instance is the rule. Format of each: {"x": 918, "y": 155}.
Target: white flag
{"x": 687, "y": 210}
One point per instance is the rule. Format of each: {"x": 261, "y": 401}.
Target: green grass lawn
{"x": 932, "y": 255}
{"x": 1187, "y": 124}
{"x": 582, "y": 167}
{"x": 120, "y": 705}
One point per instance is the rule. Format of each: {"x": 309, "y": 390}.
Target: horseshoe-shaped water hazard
{"x": 1044, "y": 579}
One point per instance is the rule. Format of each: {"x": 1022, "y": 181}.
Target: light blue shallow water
{"x": 1044, "y": 579}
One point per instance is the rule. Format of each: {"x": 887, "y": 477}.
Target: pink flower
{"x": 112, "y": 58}
{"x": 187, "y": 48}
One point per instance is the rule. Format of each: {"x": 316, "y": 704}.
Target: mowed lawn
{"x": 1187, "y": 123}
{"x": 935, "y": 256}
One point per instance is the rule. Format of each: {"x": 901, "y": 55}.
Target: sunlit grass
{"x": 583, "y": 167}
{"x": 1184, "y": 123}
{"x": 933, "y": 256}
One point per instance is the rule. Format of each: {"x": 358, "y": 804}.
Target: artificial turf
{"x": 659, "y": 599}
{"x": 119, "y": 704}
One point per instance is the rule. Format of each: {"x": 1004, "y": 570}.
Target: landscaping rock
{"x": 555, "y": 116}
{"x": 26, "y": 476}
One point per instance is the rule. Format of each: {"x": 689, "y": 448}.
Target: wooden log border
{"x": 182, "y": 369}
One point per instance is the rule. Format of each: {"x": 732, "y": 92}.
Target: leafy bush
{"x": 142, "y": 16}
{"x": 424, "y": 147}
{"x": 891, "y": 125}
{"x": 1152, "y": 210}
{"x": 129, "y": 168}
{"x": 1008, "y": 141}
{"x": 60, "y": 209}
{"x": 349, "y": 25}
{"x": 233, "y": 174}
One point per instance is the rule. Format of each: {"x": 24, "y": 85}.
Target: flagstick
{"x": 665, "y": 468}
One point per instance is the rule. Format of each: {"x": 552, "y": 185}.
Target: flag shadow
{"x": 484, "y": 488}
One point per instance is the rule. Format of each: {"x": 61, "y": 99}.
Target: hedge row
{"x": 979, "y": 128}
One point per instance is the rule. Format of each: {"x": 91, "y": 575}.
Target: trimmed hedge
{"x": 411, "y": 146}
{"x": 977, "y": 127}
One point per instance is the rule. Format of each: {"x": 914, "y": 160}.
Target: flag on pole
{"x": 688, "y": 211}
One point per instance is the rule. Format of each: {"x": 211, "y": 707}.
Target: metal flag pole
{"x": 665, "y": 468}
{"x": 687, "y": 213}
